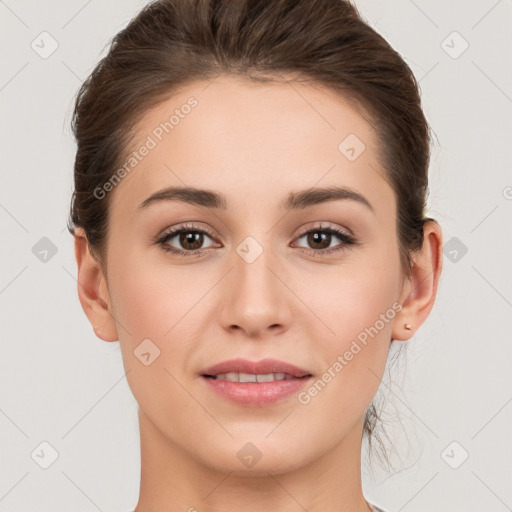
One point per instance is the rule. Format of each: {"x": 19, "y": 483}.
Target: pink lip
{"x": 255, "y": 393}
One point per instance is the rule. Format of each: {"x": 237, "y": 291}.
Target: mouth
{"x": 244, "y": 370}
{"x": 251, "y": 377}
{"x": 252, "y": 383}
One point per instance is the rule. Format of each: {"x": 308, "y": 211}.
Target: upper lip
{"x": 261, "y": 367}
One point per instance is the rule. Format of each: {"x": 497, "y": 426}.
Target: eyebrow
{"x": 294, "y": 201}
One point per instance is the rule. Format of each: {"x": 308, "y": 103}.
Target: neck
{"x": 172, "y": 481}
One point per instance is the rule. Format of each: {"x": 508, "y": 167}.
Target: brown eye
{"x": 186, "y": 241}
{"x": 191, "y": 240}
{"x": 319, "y": 239}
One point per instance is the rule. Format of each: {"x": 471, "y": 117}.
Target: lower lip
{"x": 256, "y": 393}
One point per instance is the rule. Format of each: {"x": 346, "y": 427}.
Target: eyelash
{"x": 347, "y": 240}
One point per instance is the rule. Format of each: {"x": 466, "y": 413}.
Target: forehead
{"x": 254, "y": 142}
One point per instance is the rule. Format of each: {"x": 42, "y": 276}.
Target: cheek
{"x": 351, "y": 298}
{"x": 355, "y": 308}
{"x": 153, "y": 313}
{"x": 150, "y": 301}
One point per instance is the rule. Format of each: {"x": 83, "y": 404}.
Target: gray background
{"x": 63, "y": 386}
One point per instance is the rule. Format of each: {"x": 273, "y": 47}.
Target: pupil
{"x": 192, "y": 237}
{"x": 318, "y": 238}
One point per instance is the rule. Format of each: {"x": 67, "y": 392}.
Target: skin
{"x": 254, "y": 143}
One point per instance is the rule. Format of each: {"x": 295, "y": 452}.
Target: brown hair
{"x": 173, "y": 42}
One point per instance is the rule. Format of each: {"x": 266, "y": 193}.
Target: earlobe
{"x": 92, "y": 290}
{"x": 420, "y": 290}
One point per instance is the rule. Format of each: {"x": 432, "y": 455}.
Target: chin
{"x": 243, "y": 457}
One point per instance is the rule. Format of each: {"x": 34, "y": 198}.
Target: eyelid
{"x": 323, "y": 225}
{"x": 184, "y": 227}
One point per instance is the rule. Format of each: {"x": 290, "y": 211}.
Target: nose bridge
{"x": 254, "y": 298}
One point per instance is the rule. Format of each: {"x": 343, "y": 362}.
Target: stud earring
{"x": 408, "y": 326}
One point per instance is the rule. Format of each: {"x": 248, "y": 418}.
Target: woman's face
{"x": 269, "y": 282}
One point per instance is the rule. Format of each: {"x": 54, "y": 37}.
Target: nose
{"x": 256, "y": 298}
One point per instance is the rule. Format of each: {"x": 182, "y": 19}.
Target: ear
{"x": 92, "y": 290}
{"x": 419, "y": 292}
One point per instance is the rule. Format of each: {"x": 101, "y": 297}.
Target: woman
{"x": 249, "y": 223}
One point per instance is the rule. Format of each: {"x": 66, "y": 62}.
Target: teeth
{"x": 246, "y": 377}
{"x": 250, "y": 377}
{"x": 265, "y": 378}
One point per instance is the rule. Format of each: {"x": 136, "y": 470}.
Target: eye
{"x": 190, "y": 240}
{"x": 320, "y": 239}
{"x": 189, "y": 237}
